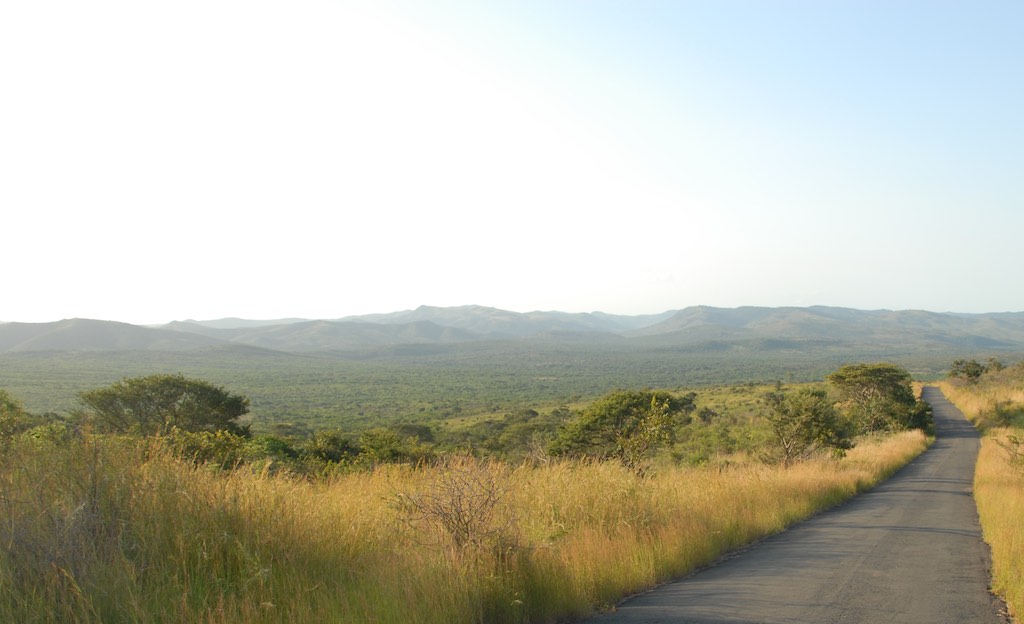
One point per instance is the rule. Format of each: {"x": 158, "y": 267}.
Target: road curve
{"x": 910, "y": 550}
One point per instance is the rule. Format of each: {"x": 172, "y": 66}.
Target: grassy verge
{"x": 999, "y": 492}
{"x": 995, "y": 406}
{"x": 111, "y": 530}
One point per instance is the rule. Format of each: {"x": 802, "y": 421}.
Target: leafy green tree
{"x": 971, "y": 370}
{"x": 879, "y": 397}
{"x": 803, "y": 423}
{"x": 159, "y": 403}
{"x": 624, "y": 425}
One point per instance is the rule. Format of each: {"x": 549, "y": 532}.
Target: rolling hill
{"x": 310, "y": 336}
{"x": 699, "y": 328}
{"x": 436, "y": 363}
{"x": 495, "y": 323}
{"x": 92, "y": 335}
{"x": 819, "y": 325}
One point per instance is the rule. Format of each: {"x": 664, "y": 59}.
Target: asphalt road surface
{"x": 909, "y": 550}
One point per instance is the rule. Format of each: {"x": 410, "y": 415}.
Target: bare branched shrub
{"x": 461, "y": 505}
{"x": 537, "y": 450}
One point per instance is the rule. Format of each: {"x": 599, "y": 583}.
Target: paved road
{"x": 910, "y": 550}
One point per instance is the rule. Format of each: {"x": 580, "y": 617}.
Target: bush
{"x": 386, "y": 446}
{"x": 879, "y": 397}
{"x": 158, "y": 403}
{"x": 625, "y": 426}
{"x": 463, "y": 506}
{"x": 699, "y": 444}
{"x": 219, "y": 448}
{"x": 329, "y": 446}
{"x": 1014, "y": 446}
{"x": 11, "y": 413}
{"x": 802, "y": 423}
{"x": 1003, "y": 413}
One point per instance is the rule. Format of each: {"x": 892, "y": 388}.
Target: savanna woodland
{"x": 154, "y": 501}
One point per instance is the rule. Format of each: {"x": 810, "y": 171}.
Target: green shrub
{"x": 219, "y": 448}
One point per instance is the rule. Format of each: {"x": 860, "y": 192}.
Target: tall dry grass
{"x": 998, "y": 484}
{"x": 110, "y": 530}
{"x": 999, "y": 493}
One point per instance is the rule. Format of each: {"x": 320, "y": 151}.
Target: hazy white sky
{"x": 211, "y": 158}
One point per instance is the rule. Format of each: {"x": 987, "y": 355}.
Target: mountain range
{"x": 693, "y": 328}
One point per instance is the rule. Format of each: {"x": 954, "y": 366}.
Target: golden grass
{"x": 111, "y": 531}
{"x": 982, "y": 401}
{"x": 999, "y": 493}
{"x": 998, "y": 486}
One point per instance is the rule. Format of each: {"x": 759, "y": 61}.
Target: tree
{"x": 993, "y": 365}
{"x": 879, "y": 397}
{"x": 624, "y": 425}
{"x": 158, "y": 403}
{"x": 803, "y": 423}
{"x": 971, "y": 370}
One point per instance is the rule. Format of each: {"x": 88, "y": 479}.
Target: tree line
{"x": 207, "y": 423}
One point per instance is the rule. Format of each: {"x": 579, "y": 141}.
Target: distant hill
{"x": 432, "y": 363}
{"x": 309, "y": 336}
{"x": 90, "y": 335}
{"x": 233, "y": 323}
{"x": 496, "y": 323}
{"x": 909, "y": 329}
{"x": 694, "y": 329}
{"x": 485, "y": 321}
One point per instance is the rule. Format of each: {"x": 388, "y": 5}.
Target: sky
{"x": 200, "y": 159}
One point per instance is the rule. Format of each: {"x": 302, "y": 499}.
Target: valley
{"x": 433, "y": 364}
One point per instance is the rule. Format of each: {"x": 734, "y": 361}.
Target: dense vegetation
{"x": 992, "y": 395}
{"x": 301, "y": 393}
